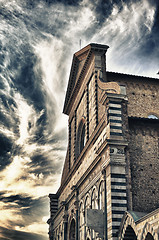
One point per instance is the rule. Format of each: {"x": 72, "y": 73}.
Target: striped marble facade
{"x": 115, "y": 118}
{"x": 116, "y": 179}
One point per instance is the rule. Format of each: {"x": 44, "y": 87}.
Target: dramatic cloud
{"x": 37, "y": 41}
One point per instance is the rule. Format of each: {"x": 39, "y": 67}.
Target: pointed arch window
{"x": 81, "y": 214}
{"x": 94, "y": 200}
{"x": 81, "y": 137}
{"x": 149, "y": 236}
{"x": 101, "y": 195}
{"x": 86, "y": 206}
{"x": 72, "y": 230}
{"x": 130, "y": 234}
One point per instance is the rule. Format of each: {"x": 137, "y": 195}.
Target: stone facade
{"x": 109, "y": 184}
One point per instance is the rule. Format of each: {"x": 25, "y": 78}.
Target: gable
{"x": 78, "y": 62}
{"x": 81, "y": 61}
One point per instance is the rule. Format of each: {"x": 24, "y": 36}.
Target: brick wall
{"x": 143, "y": 94}
{"x": 144, "y": 163}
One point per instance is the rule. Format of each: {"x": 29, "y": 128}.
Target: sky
{"x": 37, "y": 42}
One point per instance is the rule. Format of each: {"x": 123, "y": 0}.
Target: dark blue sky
{"x": 37, "y": 41}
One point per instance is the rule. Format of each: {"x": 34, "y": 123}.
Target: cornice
{"x": 132, "y": 75}
{"x": 156, "y": 211}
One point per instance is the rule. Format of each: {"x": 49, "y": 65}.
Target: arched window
{"x": 81, "y": 214}
{"x": 81, "y": 137}
{"x": 101, "y": 195}
{"x": 149, "y": 236}
{"x": 72, "y": 230}
{"x": 130, "y": 234}
{"x": 86, "y": 205}
{"x": 94, "y": 200}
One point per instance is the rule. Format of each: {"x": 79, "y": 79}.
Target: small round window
{"x": 152, "y": 116}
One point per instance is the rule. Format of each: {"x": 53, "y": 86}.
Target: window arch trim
{"x": 81, "y": 137}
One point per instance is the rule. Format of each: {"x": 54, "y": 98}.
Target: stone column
{"x": 105, "y": 203}
{"x": 87, "y": 116}
{"x": 65, "y": 221}
{"x": 65, "y": 227}
{"x": 75, "y": 189}
{"x": 77, "y": 225}
{"x": 113, "y": 97}
{"x": 75, "y": 153}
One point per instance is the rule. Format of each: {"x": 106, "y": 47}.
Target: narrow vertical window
{"x": 69, "y": 146}
{"x": 101, "y": 196}
{"x": 94, "y": 200}
{"x": 82, "y": 140}
{"x": 81, "y": 137}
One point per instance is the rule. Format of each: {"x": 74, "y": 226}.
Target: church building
{"x": 110, "y": 182}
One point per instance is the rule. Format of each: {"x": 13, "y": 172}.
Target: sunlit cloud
{"x": 12, "y": 217}
{"x": 18, "y": 180}
{"x": 37, "y": 227}
{"x": 37, "y": 41}
{"x": 9, "y": 213}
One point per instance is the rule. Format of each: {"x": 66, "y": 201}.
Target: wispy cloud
{"x": 37, "y": 41}
{"x": 125, "y": 31}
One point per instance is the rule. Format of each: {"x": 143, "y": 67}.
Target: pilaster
{"x": 116, "y": 195}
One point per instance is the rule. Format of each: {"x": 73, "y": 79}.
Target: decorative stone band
{"x": 117, "y": 194}
{"x": 112, "y": 97}
{"x": 119, "y": 200}
{"x": 115, "y": 119}
{"x": 116, "y": 200}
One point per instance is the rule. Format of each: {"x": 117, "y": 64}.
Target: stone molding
{"x": 127, "y": 220}
{"x": 148, "y": 229}
{"x": 109, "y": 87}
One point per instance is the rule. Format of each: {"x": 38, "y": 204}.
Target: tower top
{"x": 92, "y": 46}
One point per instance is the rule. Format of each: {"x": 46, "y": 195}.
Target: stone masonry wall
{"x": 142, "y": 157}
{"x": 92, "y": 106}
{"x": 144, "y": 164}
{"x": 142, "y": 93}
{"x": 72, "y": 142}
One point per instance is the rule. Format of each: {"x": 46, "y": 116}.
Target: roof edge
{"x": 132, "y": 75}
{"x": 93, "y": 46}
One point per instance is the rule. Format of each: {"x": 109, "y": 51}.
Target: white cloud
{"x": 123, "y": 32}
{"x": 53, "y": 65}
{"x": 24, "y": 111}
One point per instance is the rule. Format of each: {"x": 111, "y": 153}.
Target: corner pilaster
{"x": 113, "y": 97}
